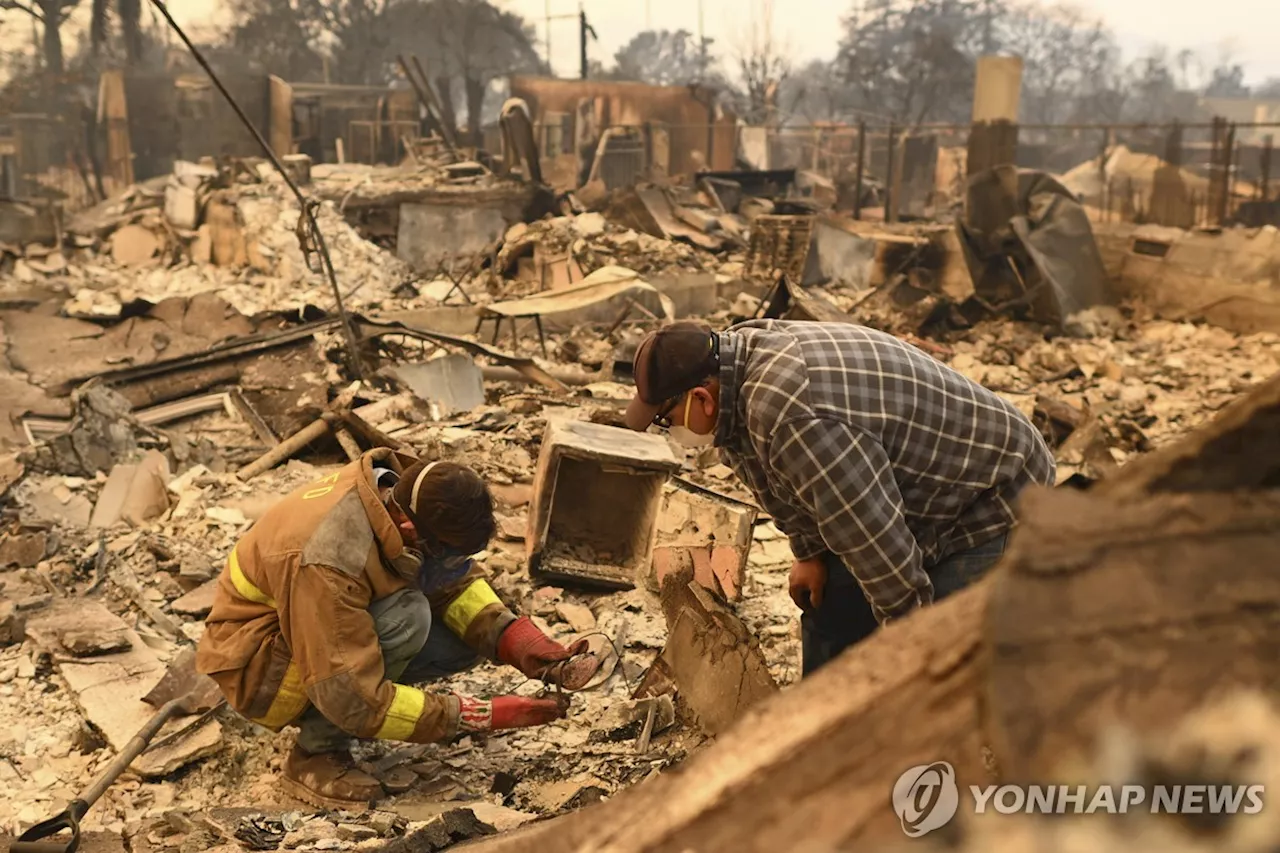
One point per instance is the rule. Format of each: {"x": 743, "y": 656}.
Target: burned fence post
{"x": 1219, "y": 160}
{"x": 859, "y": 170}
{"x": 890, "y": 197}
{"x": 1108, "y": 137}
{"x": 1264, "y": 179}
{"x": 1230, "y": 158}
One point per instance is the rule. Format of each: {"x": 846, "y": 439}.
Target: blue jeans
{"x": 845, "y": 617}
{"x": 413, "y": 651}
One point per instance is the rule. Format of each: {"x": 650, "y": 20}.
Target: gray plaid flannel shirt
{"x": 860, "y": 444}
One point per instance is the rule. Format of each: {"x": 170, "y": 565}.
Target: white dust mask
{"x": 686, "y": 436}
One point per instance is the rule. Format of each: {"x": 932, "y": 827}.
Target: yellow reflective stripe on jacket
{"x": 244, "y": 586}
{"x": 466, "y": 607}
{"x": 402, "y": 716}
{"x": 291, "y": 700}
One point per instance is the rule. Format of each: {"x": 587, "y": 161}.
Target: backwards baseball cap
{"x": 668, "y": 363}
{"x": 447, "y": 503}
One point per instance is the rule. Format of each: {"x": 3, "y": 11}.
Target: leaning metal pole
{"x": 305, "y": 204}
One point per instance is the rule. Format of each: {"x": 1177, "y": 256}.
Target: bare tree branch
{"x": 6, "y": 5}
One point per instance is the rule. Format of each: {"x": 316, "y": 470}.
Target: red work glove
{"x": 535, "y": 654}
{"x": 508, "y": 712}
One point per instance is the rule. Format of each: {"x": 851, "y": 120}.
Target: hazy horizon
{"x": 1245, "y": 26}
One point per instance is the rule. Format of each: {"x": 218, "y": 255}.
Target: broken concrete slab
{"x": 201, "y": 742}
{"x": 441, "y": 833}
{"x": 85, "y": 642}
{"x": 109, "y": 688}
{"x": 198, "y": 602}
{"x": 513, "y": 496}
{"x": 574, "y": 534}
{"x": 134, "y": 493}
{"x": 57, "y": 505}
{"x": 59, "y": 353}
{"x": 450, "y": 384}
{"x": 704, "y": 532}
{"x": 670, "y": 226}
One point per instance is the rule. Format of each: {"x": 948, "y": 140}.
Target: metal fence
{"x": 1177, "y": 174}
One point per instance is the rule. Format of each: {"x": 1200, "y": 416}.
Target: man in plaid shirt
{"x": 892, "y": 475}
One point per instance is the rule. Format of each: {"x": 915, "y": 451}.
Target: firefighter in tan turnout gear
{"x": 351, "y": 590}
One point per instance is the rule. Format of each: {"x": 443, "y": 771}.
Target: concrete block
{"x": 597, "y": 495}
{"x": 706, "y": 533}
{"x": 431, "y": 233}
{"x": 109, "y": 688}
{"x": 691, "y": 294}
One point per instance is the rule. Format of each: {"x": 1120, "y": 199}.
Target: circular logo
{"x": 926, "y": 798}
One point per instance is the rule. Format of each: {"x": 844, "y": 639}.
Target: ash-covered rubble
{"x": 1141, "y": 383}
{"x": 50, "y": 751}
{"x": 132, "y": 509}
{"x": 245, "y": 247}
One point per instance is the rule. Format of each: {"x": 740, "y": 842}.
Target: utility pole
{"x": 550, "y": 69}
{"x": 702, "y": 46}
{"x": 583, "y": 29}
